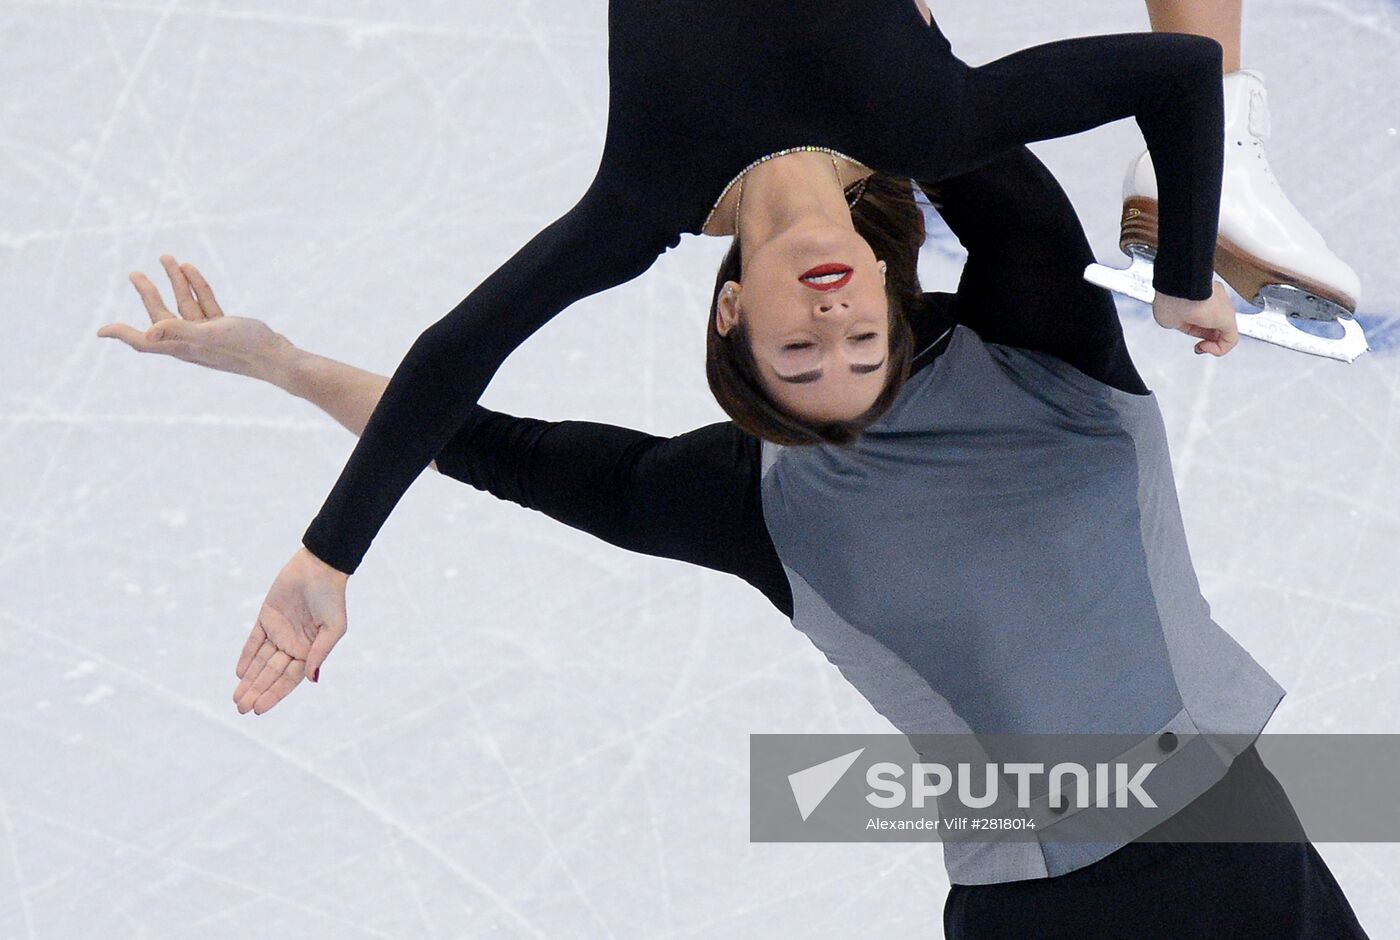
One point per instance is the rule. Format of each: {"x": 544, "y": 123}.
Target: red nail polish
{"x": 316, "y": 676}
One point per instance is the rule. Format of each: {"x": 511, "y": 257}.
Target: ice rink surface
{"x": 527, "y": 733}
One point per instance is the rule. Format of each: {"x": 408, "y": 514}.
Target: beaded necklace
{"x": 852, "y": 197}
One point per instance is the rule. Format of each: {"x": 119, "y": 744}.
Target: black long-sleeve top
{"x": 698, "y": 89}
{"x": 696, "y": 497}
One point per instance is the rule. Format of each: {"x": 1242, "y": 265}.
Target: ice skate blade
{"x": 1296, "y": 302}
{"x": 1276, "y": 327}
{"x": 1134, "y": 281}
{"x": 1271, "y": 325}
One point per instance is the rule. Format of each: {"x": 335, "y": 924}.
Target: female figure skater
{"x": 797, "y": 100}
{"x": 1000, "y": 551}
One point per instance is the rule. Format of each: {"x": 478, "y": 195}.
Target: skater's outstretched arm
{"x": 693, "y": 498}
{"x": 1022, "y": 284}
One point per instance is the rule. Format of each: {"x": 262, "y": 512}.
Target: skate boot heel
{"x": 1138, "y": 227}
{"x": 1138, "y": 240}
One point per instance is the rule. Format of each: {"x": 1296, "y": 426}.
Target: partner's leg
{"x": 1218, "y": 19}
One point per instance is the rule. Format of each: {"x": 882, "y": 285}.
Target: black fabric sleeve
{"x": 694, "y": 497}
{"x": 1169, "y": 82}
{"x": 598, "y": 244}
{"x": 1023, "y": 284}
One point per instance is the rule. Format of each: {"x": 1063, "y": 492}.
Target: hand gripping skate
{"x": 1266, "y": 250}
{"x": 1281, "y": 303}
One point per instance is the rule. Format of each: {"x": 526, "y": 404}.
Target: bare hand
{"x": 1211, "y": 321}
{"x": 201, "y": 333}
{"x": 300, "y": 622}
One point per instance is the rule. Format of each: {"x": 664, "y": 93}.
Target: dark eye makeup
{"x": 803, "y": 378}
{"x": 807, "y": 344}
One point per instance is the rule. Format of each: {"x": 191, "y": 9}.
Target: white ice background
{"x": 528, "y": 733}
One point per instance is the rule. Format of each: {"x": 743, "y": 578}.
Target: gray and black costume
{"x": 1001, "y": 552}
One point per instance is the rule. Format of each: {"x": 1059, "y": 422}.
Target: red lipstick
{"x": 828, "y": 276}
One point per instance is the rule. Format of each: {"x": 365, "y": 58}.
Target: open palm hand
{"x": 201, "y": 333}
{"x": 299, "y": 622}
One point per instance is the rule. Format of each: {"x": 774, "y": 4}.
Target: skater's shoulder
{"x": 1062, "y": 383}
{"x": 931, "y": 322}
{"x": 988, "y": 370}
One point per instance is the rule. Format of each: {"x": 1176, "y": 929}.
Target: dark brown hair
{"x": 889, "y": 220}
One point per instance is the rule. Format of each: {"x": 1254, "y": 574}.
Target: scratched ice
{"x": 526, "y": 732}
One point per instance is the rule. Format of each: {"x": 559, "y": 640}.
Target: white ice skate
{"x": 1266, "y": 250}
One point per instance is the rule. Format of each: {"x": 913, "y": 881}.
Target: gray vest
{"x": 1003, "y": 553}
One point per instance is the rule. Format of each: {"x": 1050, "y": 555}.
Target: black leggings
{"x": 1174, "y": 890}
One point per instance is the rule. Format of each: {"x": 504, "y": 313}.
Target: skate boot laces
{"x": 1259, "y": 126}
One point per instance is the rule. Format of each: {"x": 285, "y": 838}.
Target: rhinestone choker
{"x": 852, "y": 196}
